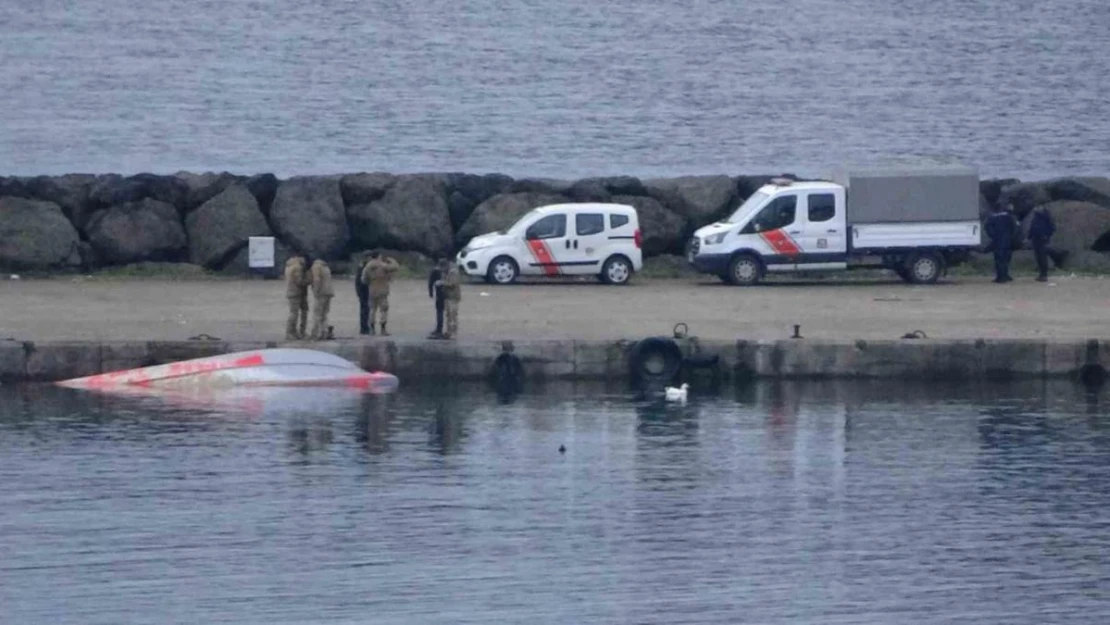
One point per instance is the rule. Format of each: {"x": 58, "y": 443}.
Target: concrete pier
{"x": 415, "y": 360}
{"x": 55, "y": 329}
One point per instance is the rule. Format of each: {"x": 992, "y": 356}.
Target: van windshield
{"x": 517, "y": 224}
{"x": 752, "y": 202}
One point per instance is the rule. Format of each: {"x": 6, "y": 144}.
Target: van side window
{"x": 822, "y": 207}
{"x": 778, "y": 214}
{"x": 589, "y": 223}
{"x": 550, "y": 227}
{"x": 616, "y": 221}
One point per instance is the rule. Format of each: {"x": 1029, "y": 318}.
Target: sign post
{"x": 260, "y": 255}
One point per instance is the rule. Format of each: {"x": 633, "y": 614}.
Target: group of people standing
{"x": 300, "y": 276}
{"x": 372, "y": 284}
{"x": 1004, "y": 231}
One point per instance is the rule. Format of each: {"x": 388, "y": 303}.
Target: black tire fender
{"x": 654, "y": 361}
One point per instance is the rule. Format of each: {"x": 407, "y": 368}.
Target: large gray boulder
{"x": 663, "y": 231}
{"x": 1090, "y": 190}
{"x": 308, "y": 215}
{"x": 70, "y": 192}
{"x": 137, "y": 231}
{"x": 480, "y": 187}
{"x": 13, "y": 187}
{"x": 263, "y": 187}
{"x": 702, "y": 199}
{"x": 1025, "y": 196}
{"x": 550, "y": 186}
{"x": 199, "y": 188}
{"x": 1079, "y": 225}
{"x": 365, "y": 188}
{"x": 501, "y": 211}
{"x": 223, "y": 225}
{"x": 470, "y": 190}
{"x": 588, "y": 190}
{"x": 603, "y": 189}
{"x": 411, "y": 216}
{"x": 115, "y": 190}
{"x": 36, "y": 235}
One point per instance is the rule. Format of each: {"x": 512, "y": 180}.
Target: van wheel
{"x": 616, "y": 270}
{"x": 744, "y": 270}
{"x": 924, "y": 268}
{"x": 502, "y": 270}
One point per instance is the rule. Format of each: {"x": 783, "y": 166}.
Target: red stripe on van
{"x": 543, "y": 256}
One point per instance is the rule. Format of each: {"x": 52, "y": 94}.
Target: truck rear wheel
{"x": 924, "y": 268}
{"x": 745, "y": 270}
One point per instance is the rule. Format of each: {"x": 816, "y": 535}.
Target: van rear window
{"x": 616, "y": 221}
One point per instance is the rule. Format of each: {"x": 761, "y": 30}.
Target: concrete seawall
{"x": 416, "y": 360}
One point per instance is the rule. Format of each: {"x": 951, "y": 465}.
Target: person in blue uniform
{"x": 1003, "y": 229}
{"x": 1041, "y": 229}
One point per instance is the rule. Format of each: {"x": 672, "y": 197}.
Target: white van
{"x": 560, "y": 240}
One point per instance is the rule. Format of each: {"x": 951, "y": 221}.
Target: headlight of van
{"x": 715, "y": 238}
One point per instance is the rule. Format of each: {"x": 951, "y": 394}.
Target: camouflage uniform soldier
{"x": 322, "y": 292}
{"x": 452, "y": 290}
{"x": 378, "y": 273}
{"x": 296, "y": 291}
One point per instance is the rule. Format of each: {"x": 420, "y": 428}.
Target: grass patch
{"x": 156, "y": 271}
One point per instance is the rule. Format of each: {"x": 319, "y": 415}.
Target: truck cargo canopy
{"x": 911, "y": 195}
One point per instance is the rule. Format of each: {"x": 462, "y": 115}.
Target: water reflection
{"x": 373, "y": 423}
{"x": 790, "y": 502}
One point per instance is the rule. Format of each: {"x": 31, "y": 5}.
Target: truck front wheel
{"x": 744, "y": 270}
{"x": 924, "y": 268}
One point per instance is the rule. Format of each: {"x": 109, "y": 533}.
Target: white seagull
{"x": 676, "y": 394}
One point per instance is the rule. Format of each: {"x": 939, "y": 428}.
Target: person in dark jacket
{"x": 435, "y": 290}
{"x": 362, "y": 290}
{"x": 1003, "y": 230}
{"x": 1041, "y": 229}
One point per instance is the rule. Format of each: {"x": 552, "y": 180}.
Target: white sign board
{"x": 261, "y": 252}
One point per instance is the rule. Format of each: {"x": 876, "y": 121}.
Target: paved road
{"x": 67, "y": 308}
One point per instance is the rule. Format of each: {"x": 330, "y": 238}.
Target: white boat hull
{"x": 264, "y": 367}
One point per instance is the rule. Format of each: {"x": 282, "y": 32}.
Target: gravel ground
{"x": 962, "y": 307}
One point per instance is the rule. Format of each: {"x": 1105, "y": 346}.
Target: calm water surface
{"x": 539, "y": 87}
{"x": 813, "y": 503}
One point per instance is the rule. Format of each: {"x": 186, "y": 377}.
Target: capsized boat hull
{"x": 263, "y": 367}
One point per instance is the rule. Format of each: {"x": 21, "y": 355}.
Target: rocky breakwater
{"x": 81, "y": 221}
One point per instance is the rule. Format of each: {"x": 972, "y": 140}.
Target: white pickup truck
{"x": 916, "y": 223}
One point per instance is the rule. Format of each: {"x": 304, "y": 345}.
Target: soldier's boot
{"x": 384, "y": 333}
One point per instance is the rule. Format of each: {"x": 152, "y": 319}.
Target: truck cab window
{"x": 822, "y": 207}
{"x": 550, "y": 227}
{"x": 778, "y": 214}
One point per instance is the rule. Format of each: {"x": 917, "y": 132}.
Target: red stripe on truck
{"x": 781, "y": 242}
